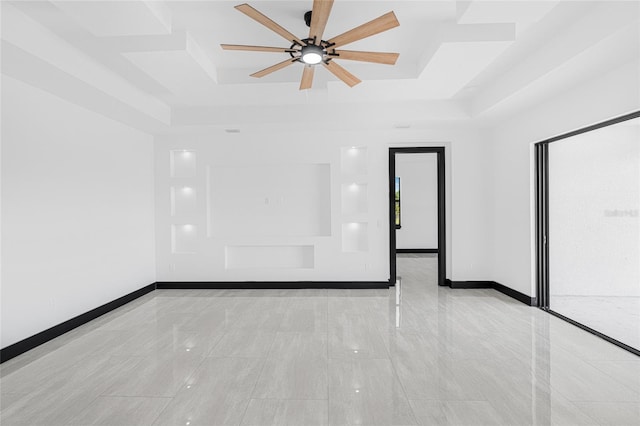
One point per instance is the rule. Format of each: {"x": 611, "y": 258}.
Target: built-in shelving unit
{"x": 354, "y": 199}
{"x": 184, "y": 232}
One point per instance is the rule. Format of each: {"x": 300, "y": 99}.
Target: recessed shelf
{"x": 355, "y": 237}
{"x": 354, "y": 160}
{"x": 183, "y": 238}
{"x": 183, "y": 201}
{"x": 183, "y": 163}
{"x": 354, "y": 198}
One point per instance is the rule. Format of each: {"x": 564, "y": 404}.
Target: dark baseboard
{"x": 269, "y": 285}
{"x": 417, "y": 250}
{"x": 471, "y": 284}
{"x": 29, "y": 343}
{"x": 521, "y": 297}
{"x": 527, "y": 300}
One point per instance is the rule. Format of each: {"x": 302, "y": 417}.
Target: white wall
{"x": 77, "y": 210}
{"x": 610, "y": 95}
{"x": 356, "y": 248}
{"x": 418, "y": 201}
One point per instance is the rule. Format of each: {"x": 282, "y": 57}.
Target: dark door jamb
{"x": 442, "y": 263}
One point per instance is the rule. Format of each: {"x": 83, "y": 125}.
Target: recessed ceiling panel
{"x": 179, "y": 72}
{"x": 455, "y": 64}
{"x": 522, "y": 13}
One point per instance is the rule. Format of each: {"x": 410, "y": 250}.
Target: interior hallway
{"x": 413, "y": 354}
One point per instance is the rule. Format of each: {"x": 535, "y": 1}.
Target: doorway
{"x": 395, "y": 210}
{"x": 588, "y": 235}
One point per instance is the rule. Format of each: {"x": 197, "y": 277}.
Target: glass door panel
{"x": 594, "y": 232}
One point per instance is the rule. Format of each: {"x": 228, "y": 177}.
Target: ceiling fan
{"x": 314, "y": 49}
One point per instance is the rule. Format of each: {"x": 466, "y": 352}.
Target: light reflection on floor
{"x": 415, "y": 353}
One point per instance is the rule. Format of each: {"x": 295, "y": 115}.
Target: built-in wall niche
{"x": 355, "y": 237}
{"x": 183, "y": 238}
{"x": 269, "y": 200}
{"x": 269, "y": 257}
{"x": 183, "y": 163}
{"x": 354, "y": 160}
{"x": 183, "y": 200}
{"x": 354, "y": 198}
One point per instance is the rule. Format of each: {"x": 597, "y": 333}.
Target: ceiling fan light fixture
{"x": 312, "y": 54}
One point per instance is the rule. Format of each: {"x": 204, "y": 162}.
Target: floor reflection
{"x": 415, "y": 353}
{"x": 398, "y": 301}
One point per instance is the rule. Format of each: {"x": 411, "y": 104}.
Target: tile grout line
{"x": 264, "y": 364}
{"x": 161, "y": 412}
{"x": 397, "y": 376}
{"x": 135, "y": 396}
{"x": 327, "y": 354}
{"x": 195, "y": 370}
{"x": 492, "y": 310}
{"x": 590, "y": 363}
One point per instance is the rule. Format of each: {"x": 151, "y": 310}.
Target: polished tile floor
{"x": 413, "y": 354}
{"x": 615, "y": 316}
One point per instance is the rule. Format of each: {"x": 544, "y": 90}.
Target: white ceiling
{"x": 468, "y": 58}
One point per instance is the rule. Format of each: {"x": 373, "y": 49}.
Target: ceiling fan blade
{"x": 377, "y": 57}
{"x": 255, "y": 48}
{"x": 307, "y": 77}
{"x": 274, "y": 68}
{"x": 344, "y": 75}
{"x": 378, "y": 25}
{"x": 319, "y": 17}
{"x": 267, "y": 22}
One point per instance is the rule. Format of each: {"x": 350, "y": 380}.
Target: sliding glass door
{"x": 593, "y": 229}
